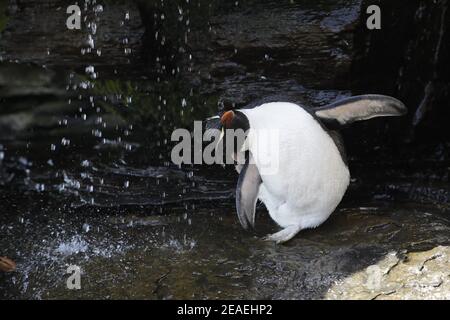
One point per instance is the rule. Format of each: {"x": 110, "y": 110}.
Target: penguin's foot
{"x": 284, "y": 235}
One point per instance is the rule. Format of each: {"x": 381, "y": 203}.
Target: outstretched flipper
{"x": 247, "y": 193}
{"x": 359, "y": 108}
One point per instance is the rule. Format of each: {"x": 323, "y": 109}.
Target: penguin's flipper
{"x": 359, "y": 108}
{"x": 247, "y": 193}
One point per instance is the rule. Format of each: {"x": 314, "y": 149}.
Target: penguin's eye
{"x": 227, "y": 119}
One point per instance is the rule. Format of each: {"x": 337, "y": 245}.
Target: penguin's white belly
{"x": 311, "y": 178}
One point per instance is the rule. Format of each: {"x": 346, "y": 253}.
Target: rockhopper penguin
{"x": 312, "y": 173}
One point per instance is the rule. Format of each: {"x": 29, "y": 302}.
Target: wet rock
{"x": 415, "y": 275}
{"x": 29, "y": 80}
{"x": 39, "y": 99}
{"x": 299, "y": 41}
{"x": 33, "y": 97}
{"x": 258, "y": 48}
{"x": 54, "y": 45}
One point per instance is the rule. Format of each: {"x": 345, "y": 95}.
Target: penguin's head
{"x": 234, "y": 120}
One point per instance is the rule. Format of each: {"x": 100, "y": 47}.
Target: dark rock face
{"x": 410, "y": 59}
{"x": 300, "y": 42}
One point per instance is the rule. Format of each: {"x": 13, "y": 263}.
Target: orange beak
{"x": 227, "y": 118}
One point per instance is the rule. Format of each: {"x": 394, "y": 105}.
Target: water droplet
{"x": 98, "y": 8}
{"x": 85, "y": 163}
{"x": 90, "y": 41}
{"x": 86, "y": 227}
{"x": 65, "y": 142}
{"x": 93, "y": 28}
{"x": 97, "y": 133}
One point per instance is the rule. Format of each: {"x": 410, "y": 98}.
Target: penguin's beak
{"x": 211, "y": 124}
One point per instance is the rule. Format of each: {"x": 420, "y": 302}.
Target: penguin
{"x": 312, "y": 173}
